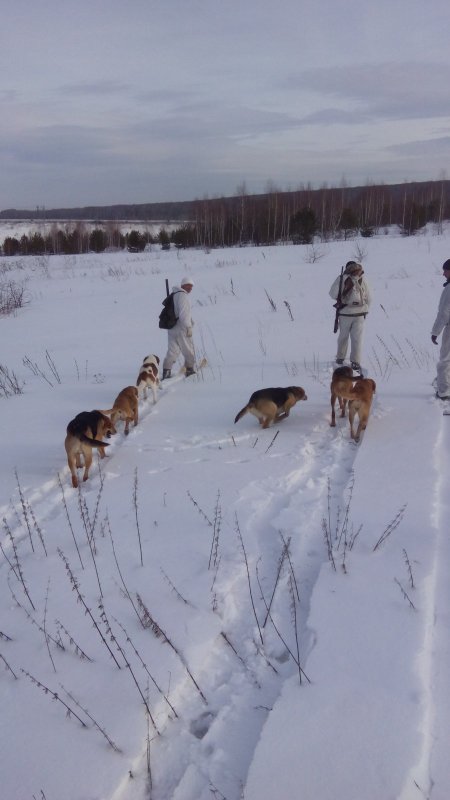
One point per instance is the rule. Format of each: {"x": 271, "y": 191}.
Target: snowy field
{"x": 224, "y": 612}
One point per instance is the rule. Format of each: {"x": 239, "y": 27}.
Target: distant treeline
{"x": 299, "y": 216}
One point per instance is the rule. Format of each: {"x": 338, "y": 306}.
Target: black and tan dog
{"x": 126, "y": 407}
{"x": 84, "y": 432}
{"x": 357, "y": 392}
{"x": 149, "y": 376}
{"x": 272, "y": 405}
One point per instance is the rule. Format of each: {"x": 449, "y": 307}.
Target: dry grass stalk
{"x": 55, "y": 696}
{"x": 135, "y": 505}
{"x": 78, "y": 650}
{"x": 15, "y": 566}
{"x": 149, "y": 622}
{"x": 390, "y": 528}
{"x": 68, "y": 519}
{"x": 113, "y": 638}
{"x": 238, "y": 531}
{"x": 94, "y": 722}
{"x": 138, "y": 655}
{"x": 81, "y": 600}
{"x": 8, "y": 667}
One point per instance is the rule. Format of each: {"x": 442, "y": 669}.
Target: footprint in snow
{"x": 200, "y": 726}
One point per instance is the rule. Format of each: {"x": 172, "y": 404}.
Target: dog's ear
{"x": 157, "y": 359}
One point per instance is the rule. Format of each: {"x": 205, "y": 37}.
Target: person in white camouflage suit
{"x": 442, "y": 324}
{"x": 180, "y": 336}
{"x": 353, "y": 308}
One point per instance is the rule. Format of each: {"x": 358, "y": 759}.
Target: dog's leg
{"x": 87, "y": 462}
{"x": 343, "y": 405}
{"x": 73, "y": 470}
{"x": 351, "y": 417}
{"x": 333, "y": 413}
{"x": 127, "y": 426}
{"x": 363, "y": 419}
{"x": 155, "y": 393}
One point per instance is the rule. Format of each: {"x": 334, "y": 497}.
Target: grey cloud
{"x": 200, "y": 121}
{"x": 426, "y": 147}
{"x": 408, "y": 90}
{"x": 97, "y": 88}
{"x": 57, "y": 144}
{"x": 335, "y": 116}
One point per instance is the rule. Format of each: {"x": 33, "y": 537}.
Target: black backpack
{"x": 167, "y": 317}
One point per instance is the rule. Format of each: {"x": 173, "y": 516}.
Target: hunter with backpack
{"x": 176, "y": 318}
{"x": 352, "y": 294}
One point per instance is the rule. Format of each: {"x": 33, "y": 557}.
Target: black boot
{"x": 190, "y": 371}
{"x": 167, "y": 373}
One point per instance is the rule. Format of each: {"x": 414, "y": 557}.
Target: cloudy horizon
{"x": 108, "y": 104}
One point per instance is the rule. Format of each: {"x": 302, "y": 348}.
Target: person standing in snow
{"x": 180, "y": 336}
{"x": 442, "y": 323}
{"x": 353, "y": 308}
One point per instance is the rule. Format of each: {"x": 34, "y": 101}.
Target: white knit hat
{"x": 186, "y": 281}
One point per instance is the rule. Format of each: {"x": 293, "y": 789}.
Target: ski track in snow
{"x": 436, "y": 632}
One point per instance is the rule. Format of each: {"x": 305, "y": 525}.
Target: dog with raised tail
{"x": 86, "y": 431}
{"x": 149, "y": 377}
{"x": 273, "y": 404}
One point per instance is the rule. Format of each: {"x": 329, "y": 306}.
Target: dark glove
{"x": 434, "y": 340}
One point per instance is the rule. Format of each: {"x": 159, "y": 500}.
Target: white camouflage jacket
{"x": 182, "y": 307}
{"x": 357, "y": 300}
{"x": 443, "y": 315}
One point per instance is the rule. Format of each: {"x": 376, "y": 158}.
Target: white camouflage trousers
{"x": 179, "y": 343}
{"x": 350, "y": 328}
{"x": 443, "y": 365}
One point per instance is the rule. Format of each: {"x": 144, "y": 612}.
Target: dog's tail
{"x": 91, "y": 442}
{"x": 243, "y": 411}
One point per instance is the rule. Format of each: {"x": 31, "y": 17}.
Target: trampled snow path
{"x": 345, "y": 717}
{"x": 431, "y": 771}
{"x": 242, "y": 680}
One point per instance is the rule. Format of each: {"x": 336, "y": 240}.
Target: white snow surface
{"x": 204, "y": 499}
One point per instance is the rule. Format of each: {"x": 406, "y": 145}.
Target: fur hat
{"x": 446, "y": 264}
{"x": 186, "y": 281}
{"x": 352, "y": 267}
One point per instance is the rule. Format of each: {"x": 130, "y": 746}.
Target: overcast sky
{"x": 107, "y": 101}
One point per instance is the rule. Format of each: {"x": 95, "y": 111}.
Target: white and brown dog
{"x": 149, "y": 377}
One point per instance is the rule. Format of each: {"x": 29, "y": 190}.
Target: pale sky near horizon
{"x": 107, "y": 102}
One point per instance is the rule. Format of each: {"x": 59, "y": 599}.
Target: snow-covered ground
{"x": 147, "y": 592}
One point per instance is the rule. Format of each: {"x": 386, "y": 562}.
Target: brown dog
{"x": 84, "y": 432}
{"x": 149, "y": 376}
{"x": 270, "y": 405}
{"x": 126, "y": 407}
{"x": 357, "y": 392}
{"x": 360, "y": 404}
{"x": 340, "y": 387}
